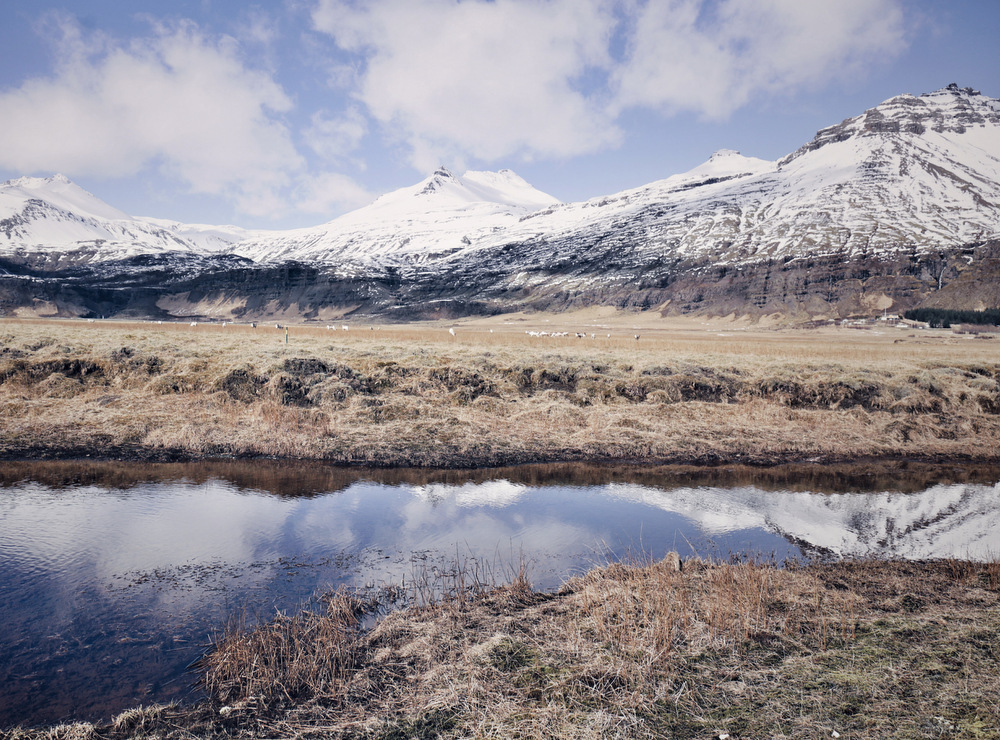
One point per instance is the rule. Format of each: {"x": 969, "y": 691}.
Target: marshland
{"x": 791, "y": 431}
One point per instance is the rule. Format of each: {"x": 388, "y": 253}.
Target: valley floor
{"x": 494, "y": 394}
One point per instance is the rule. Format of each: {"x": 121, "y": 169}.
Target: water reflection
{"x": 111, "y": 578}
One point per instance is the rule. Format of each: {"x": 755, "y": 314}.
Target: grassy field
{"x": 633, "y": 650}
{"x": 492, "y": 394}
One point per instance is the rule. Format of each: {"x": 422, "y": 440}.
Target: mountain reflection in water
{"x": 112, "y": 577}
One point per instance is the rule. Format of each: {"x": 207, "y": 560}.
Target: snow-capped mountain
{"x": 914, "y": 172}
{"x": 55, "y": 216}
{"x": 897, "y": 207}
{"x": 438, "y": 216}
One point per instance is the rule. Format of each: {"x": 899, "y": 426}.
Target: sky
{"x": 290, "y": 113}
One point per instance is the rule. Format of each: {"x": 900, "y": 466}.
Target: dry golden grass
{"x": 632, "y": 650}
{"x": 415, "y": 395}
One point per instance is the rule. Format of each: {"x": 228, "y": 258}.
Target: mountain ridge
{"x": 890, "y": 207}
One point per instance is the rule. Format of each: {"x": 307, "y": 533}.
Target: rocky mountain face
{"x": 892, "y": 209}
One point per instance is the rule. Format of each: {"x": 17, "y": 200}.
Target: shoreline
{"x": 672, "y": 648}
{"x": 139, "y": 454}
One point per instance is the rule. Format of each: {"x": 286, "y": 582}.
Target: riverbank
{"x": 493, "y": 395}
{"x": 653, "y": 649}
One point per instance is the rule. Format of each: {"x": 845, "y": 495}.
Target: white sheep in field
{"x": 344, "y": 327}
{"x": 451, "y": 331}
{"x": 194, "y": 323}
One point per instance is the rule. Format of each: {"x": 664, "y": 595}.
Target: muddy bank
{"x": 308, "y": 477}
{"x": 98, "y": 451}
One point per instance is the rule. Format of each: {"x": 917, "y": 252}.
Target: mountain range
{"x": 895, "y": 208}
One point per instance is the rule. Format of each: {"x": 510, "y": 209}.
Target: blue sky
{"x": 290, "y": 113}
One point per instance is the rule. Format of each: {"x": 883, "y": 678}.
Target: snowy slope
{"x": 54, "y": 215}
{"x": 916, "y": 172}
{"x": 437, "y": 216}
{"x": 913, "y": 173}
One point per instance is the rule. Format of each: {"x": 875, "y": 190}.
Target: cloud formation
{"x": 178, "y": 100}
{"x": 549, "y": 78}
{"x": 480, "y": 79}
{"x": 712, "y": 58}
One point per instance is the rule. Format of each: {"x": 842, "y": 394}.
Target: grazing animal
{"x": 344, "y": 327}
{"x": 452, "y": 332}
{"x": 253, "y": 324}
{"x": 637, "y": 337}
{"x": 194, "y": 323}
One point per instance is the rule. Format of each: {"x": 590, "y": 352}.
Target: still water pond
{"x": 112, "y": 579}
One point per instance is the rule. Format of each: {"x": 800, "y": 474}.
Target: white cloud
{"x": 178, "y": 101}
{"x": 712, "y": 58}
{"x": 334, "y": 137}
{"x": 549, "y": 78}
{"x": 476, "y": 79}
{"x": 329, "y": 193}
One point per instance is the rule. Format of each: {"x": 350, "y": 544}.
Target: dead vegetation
{"x": 633, "y": 650}
{"x": 420, "y": 397}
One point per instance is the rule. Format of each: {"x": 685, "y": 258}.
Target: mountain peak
{"x": 34, "y": 183}
{"x": 444, "y": 190}
{"x": 59, "y": 192}
{"x": 724, "y": 154}
{"x": 950, "y": 110}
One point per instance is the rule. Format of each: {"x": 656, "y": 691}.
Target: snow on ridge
{"x": 54, "y": 214}
{"x": 58, "y": 191}
{"x": 913, "y": 171}
{"x": 442, "y": 213}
